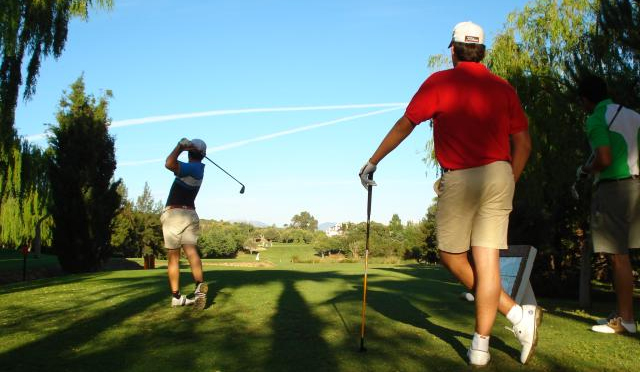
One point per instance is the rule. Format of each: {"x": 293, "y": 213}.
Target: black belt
{"x": 609, "y": 180}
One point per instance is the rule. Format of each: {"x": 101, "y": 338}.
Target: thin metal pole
{"x": 366, "y": 266}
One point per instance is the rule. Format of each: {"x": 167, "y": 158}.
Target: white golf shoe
{"x": 478, "y": 358}
{"x": 615, "y": 325}
{"x": 200, "y": 296}
{"x": 182, "y": 301}
{"x": 527, "y": 330}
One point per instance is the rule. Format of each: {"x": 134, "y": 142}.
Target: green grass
{"x": 290, "y": 317}
{"x": 11, "y": 260}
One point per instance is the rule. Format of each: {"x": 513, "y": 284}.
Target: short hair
{"x": 197, "y": 155}
{"x": 593, "y": 88}
{"x": 468, "y": 52}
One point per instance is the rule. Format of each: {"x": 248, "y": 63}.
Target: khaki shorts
{"x": 474, "y": 206}
{"x": 179, "y": 227}
{"x": 615, "y": 217}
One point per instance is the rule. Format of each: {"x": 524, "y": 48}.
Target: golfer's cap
{"x": 199, "y": 145}
{"x": 467, "y": 32}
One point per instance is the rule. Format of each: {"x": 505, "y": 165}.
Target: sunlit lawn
{"x": 288, "y": 317}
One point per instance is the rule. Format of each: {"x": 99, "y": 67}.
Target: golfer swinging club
{"x": 180, "y": 222}
{"x": 482, "y": 143}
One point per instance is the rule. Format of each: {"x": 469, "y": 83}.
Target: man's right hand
{"x": 365, "y": 171}
{"x": 580, "y": 173}
{"x": 184, "y": 143}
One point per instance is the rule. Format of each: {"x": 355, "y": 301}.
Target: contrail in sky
{"x": 274, "y": 135}
{"x": 162, "y": 118}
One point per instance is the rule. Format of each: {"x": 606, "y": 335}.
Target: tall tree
{"x": 395, "y": 226}
{"x": 84, "y": 197}
{"x": 531, "y": 53}
{"x": 304, "y": 221}
{"x": 24, "y": 198}
{"x": 621, "y": 19}
{"x": 32, "y": 30}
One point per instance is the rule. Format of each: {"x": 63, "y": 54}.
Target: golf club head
{"x": 242, "y": 190}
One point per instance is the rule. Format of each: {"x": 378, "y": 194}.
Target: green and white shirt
{"x": 623, "y": 138}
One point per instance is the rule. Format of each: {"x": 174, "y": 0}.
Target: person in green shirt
{"x": 613, "y": 133}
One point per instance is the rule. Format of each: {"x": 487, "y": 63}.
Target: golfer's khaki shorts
{"x": 615, "y": 217}
{"x": 179, "y": 227}
{"x": 474, "y": 206}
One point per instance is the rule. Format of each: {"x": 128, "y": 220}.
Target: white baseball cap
{"x": 199, "y": 145}
{"x": 467, "y": 32}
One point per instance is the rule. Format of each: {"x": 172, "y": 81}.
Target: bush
{"x": 215, "y": 243}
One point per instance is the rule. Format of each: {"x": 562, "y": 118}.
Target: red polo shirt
{"x": 474, "y": 112}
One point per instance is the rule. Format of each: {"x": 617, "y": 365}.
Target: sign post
{"x": 516, "y": 264}
{"x": 25, "y": 253}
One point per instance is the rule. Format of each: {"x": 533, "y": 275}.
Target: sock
{"x": 629, "y": 326}
{"x": 480, "y": 342}
{"x": 515, "y": 314}
{"x": 197, "y": 284}
{"x": 175, "y": 294}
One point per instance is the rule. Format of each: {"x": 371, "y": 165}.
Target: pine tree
{"x": 84, "y": 197}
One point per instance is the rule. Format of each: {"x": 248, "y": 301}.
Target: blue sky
{"x": 223, "y": 66}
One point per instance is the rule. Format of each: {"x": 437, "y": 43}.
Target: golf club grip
{"x": 369, "y": 192}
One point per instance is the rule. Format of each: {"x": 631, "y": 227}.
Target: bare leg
{"x": 487, "y": 287}
{"x": 194, "y": 261}
{"x": 458, "y": 264}
{"x": 623, "y": 285}
{"x": 173, "y": 268}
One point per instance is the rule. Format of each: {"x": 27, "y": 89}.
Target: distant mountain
{"x": 326, "y": 226}
{"x": 252, "y": 223}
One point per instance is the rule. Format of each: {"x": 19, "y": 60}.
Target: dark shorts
{"x": 615, "y": 217}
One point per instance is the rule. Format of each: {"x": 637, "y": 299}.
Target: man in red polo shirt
{"x": 482, "y": 143}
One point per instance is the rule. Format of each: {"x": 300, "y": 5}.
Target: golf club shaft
{"x": 366, "y": 264}
{"x": 219, "y": 167}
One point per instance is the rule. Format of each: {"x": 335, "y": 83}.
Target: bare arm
{"x": 520, "y": 150}
{"x": 601, "y": 160}
{"x": 396, "y": 135}
{"x": 172, "y": 160}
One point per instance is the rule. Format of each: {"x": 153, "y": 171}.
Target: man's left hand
{"x": 365, "y": 171}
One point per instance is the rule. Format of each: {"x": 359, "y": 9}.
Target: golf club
{"x": 212, "y": 162}
{"x": 574, "y": 190}
{"x": 366, "y": 262}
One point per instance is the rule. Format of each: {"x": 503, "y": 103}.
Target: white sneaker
{"x": 182, "y": 301}
{"x": 527, "y": 330}
{"x": 200, "y": 296}
{"x": 478, "y": 358}
{"x": 615, "y": 326}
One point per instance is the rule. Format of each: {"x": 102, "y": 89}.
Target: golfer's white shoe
{"x": 478, "y": 358}
{"x": 200, "y": 296}
{"x": 527, "y": 330}
{"x": 616, "y": 325}
{"x": 182, "y": 301}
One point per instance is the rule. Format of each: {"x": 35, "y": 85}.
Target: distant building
{"x": 335, "y": 230}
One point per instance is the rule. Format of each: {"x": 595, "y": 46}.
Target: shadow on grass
{"x": 295, "y": 325}
{"x": 58, "y": 350}
{"x": 295, "y": 339}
